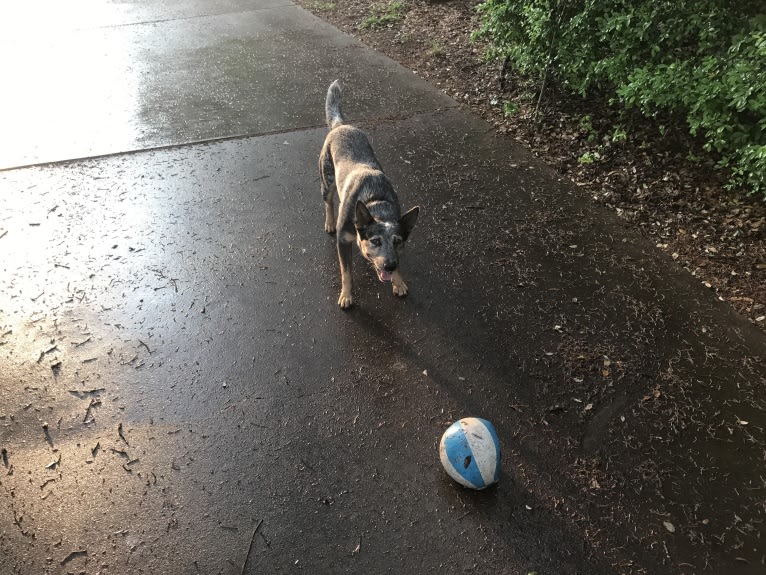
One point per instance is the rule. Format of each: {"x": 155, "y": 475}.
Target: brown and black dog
{"x": 369, "y": 211}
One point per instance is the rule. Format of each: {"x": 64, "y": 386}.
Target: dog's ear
{"x": 363, "y": 216}
{"x": 409, "y": 220}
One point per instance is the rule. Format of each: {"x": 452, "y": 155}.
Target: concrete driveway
{"x": 181, "y": 394}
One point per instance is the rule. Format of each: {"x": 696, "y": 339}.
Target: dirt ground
{"x": 680, "y": 203}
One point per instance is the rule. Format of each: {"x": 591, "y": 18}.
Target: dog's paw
{"x": 400, "y": 288}
{"x": 329, "y": 218}
{"x": 345, "y": 300}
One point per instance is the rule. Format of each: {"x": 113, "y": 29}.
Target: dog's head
{"x": 380, "y": 241}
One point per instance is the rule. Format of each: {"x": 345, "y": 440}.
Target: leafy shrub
{"x": 703, "y": 61}
{"x": 510, "y": 108}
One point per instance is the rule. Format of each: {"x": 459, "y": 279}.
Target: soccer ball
{"x": 470, "y": 453}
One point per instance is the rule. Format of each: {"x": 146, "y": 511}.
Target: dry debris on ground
{"x": 656, "y": 178}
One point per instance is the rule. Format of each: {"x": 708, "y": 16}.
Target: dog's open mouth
{"x": 383, "y": 275}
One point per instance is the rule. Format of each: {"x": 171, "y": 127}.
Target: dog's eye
{"x": 376, "y": 242}
{"x": 397, "y": 240}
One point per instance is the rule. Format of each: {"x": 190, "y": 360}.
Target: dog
{"x": 368, "y": 210}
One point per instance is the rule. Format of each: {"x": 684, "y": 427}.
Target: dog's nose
{"x": 389, "y": 266}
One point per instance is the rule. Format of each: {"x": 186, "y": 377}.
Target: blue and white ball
{"x": 470, "y": 453}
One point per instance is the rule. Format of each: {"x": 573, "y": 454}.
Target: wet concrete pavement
{"x": 181, "y": 394}
{"x": 115, "y": 77}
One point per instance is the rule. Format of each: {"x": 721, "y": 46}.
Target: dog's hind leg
{"x": 327, "y": 185}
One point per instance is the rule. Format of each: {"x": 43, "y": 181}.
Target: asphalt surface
{"x": 181, "y": 394}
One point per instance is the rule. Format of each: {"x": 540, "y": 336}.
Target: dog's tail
{"x": 332, "y": 112}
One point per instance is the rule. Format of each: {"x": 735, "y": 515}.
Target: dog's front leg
{"x": 397, "y": 281}
{"x": 344, "y": 259}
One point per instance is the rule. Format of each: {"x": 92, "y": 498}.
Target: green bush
{"x": 702, "y": 61}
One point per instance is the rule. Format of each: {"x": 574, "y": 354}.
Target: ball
{"x": 470, "y": 453}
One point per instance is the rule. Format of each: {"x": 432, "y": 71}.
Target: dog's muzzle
{"x": 383, "y": 275}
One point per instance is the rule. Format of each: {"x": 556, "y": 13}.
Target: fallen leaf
{"x": 669, "y": 526}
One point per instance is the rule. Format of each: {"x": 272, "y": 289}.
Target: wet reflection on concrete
{"x": 99, "y": 77}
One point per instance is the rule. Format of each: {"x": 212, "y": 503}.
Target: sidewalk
{"x": 181, "y": 394}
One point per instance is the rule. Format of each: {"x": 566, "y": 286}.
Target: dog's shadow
{"x": 436, "y": 331}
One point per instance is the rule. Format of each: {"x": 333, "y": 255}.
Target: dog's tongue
{"x": 384, "y": 276}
